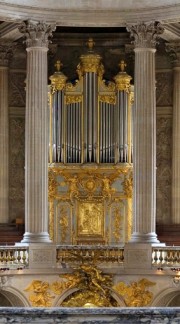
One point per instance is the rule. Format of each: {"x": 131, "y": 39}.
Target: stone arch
{"x": 70, "y": 291}
{"x": 165, "y": 297}
{"x": 14, "y": 297}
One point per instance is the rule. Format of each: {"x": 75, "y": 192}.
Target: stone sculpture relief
{"x": 17, "y": 89}
{"x": 164, "y": 160}
{"x": 164, "y": 89}
{"x": 16, "y": 167}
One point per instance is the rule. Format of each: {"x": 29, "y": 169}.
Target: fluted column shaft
{"x": 144, "y": 159}
{"x": 36, "y": 135}
{"x": 4, "y": 146}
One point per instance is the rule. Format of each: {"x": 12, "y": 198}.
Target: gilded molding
{"x": 111, "y": 99}
{"x": 72, "y": 99}
{"x": 128, "y": 185}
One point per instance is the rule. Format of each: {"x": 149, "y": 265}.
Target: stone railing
{"x": 86, "y": 253}
{"x": 168, "y": 256}
{"x": 15, "y": 257}
{"x": 12, "y": 257}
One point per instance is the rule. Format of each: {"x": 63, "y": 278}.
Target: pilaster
{"x": 174, "y": 51}
{"x": 5, "y": 53}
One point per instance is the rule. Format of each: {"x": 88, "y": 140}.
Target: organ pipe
{"x": 90, "y": 120}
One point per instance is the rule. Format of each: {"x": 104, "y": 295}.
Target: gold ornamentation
{"x": 117, "y": 218}
{"x": 122, "y": 79}
{"x": 51, "y": 219}
{"x": 128, "y": 185}
{"x": 72, "y": 99}
{"x": 63, "y": 223}
{"x": 89, "y": 192}
{"x": 73, "y": 87}
{"x": 58, "y": 79}
{"x": 135, "y": 294}
{"x": 132, "y": 95}
{"x": 93, "y": 288}
{"x": 128, "y": 230}
{"x": 91, "y": 219}
{"x": 101, "y": 253}
{"x": 111, "y": 99}
{"x": 90, "y": 62}
{"x": 107, "y": 86}
{"x": 53, "y": 184}
{"x": 40, "y": 296}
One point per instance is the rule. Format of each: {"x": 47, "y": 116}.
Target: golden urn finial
{"x": 122, "y": 79}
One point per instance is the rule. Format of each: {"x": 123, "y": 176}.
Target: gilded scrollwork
{"x": 136, "y": 293}
{"x": 117, "y": 223}
{"x": 111, "y": 99}
{"x": 72, "y": 99}
{"x": 92, "y": 287}
{"x": 128, "y": 185}
{"x": 63, "y": 223}
{"x": 40, "y": 295}
{"x": 90, "y": 193}
{"x": 51, "y": 219}
{"x": 53, "y": 184}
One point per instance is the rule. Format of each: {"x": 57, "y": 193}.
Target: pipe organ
{"x": 90, "y": 154}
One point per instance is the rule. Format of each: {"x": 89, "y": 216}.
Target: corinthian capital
{"x": 36, "y": 33}
{"x": 145, "y": 34}
{"x": 173, "y": 49}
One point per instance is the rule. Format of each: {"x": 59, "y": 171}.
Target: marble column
{"x": 36, "y": 133}
{"x": 5, "y": 52}
{"x": 174, "y": 51}
{"x": 144, "y": 159}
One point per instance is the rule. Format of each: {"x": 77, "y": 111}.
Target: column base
{"x": 42, "y": 237}
{"x": 144, "y": 238}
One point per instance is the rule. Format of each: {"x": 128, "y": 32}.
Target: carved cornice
{"x": 173, "y": 49}
{"x": 36, "y": 33}
{"x": 145, "y": 34}
{"x": 95, "y": 13}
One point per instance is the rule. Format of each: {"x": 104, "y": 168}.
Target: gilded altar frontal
{"x": 90, "y": 154}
